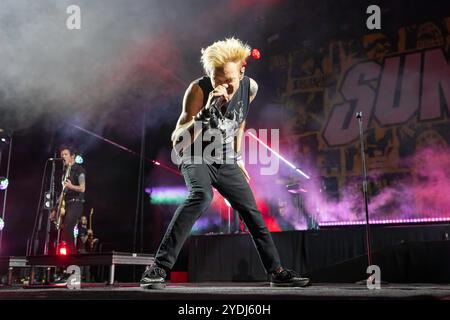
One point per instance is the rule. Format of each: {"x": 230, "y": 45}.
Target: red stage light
{"x": 63, "y": 250}
{"x": 256, "y": 54}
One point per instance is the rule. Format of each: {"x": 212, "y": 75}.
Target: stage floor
{"x": 232, "y": 291}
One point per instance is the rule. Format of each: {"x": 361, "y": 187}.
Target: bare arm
{"x": 81, "y": 188}
{"x": 240, "y": 135}
{"x": 253, "y": 89}
{"x": 192, "y": 104}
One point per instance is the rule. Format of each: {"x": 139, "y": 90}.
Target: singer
{"x": 217, "y": 102}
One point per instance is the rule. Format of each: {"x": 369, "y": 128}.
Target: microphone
{"x": 217, "y": 102}
{"x": 215, "y": 113}
{"x": 212, "y": 111}
{"x": 55, "y": 159}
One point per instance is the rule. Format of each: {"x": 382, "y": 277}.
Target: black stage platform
{"x": 234, "y": 291}
{"x": 333, "y": 258}
{"x": 110, "y": 259}
{"x": 405, "y": 254}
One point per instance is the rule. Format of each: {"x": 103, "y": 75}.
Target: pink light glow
{"x": 278, "y": 155}
{"x": 395, "y": 221}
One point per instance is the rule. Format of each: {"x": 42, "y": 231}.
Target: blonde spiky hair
{"x": 221, "y": 52}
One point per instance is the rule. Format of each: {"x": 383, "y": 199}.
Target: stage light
{"x": 79, "y": 159}
{"x": 256, "y": 54}
{"x": 4, "y": 182}
{"x": 63, "y": 250}
{"x": 384, "y": 221}
{"x": 47, "y": 200}
{"x": 2, "y": 224}
{"x": 4, "y": 137}
{"x": 279, "y": 155}
{"x": 162, "y": 165}
{"x": 167, "y": 195}
{"x": 75, "y": 231}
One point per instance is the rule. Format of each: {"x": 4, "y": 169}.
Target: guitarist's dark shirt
{"x": 74, "y": 176}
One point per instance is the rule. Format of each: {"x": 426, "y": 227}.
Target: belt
{"x": 75, "y": 200}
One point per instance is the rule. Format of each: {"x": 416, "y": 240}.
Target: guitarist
{"x": 74, "y": 186}
{"x": 85, "y": 240}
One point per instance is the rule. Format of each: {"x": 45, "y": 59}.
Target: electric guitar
{"x": 61, "y": 209}
{"x": 90, "y": 238}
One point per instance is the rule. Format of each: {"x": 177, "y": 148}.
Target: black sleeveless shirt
{"x": 74, "y": 176}
{"x": 234, "y": 113}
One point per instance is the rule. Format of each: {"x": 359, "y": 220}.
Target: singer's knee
{"x": 201, "y": 197}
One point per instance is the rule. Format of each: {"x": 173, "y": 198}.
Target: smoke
{"x": 423, "y": 193}
{"x": 125, "y": 54}
{"x": 122, "y": 54}
{"x": 281, "y": 206}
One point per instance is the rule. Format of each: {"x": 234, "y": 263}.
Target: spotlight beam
{"x": 154, "y": 162}
{"x": 279, "y": 156}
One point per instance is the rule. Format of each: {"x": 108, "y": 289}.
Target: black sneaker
{"x": 288, "y": 278}
{"x": 61, "y": 280}
{"x": 153, "y": 278}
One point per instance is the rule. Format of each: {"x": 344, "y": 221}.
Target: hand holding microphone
{"x": 219, "y": 94}
{"x": 216, "y": 99}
